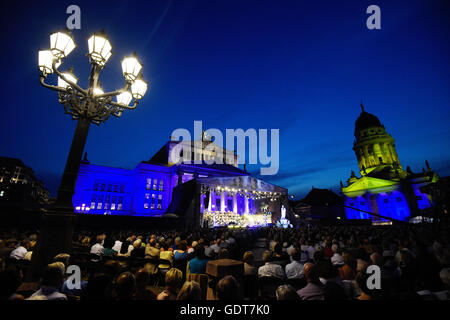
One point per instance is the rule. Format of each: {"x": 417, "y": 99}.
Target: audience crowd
{"x": 312, "y": 262}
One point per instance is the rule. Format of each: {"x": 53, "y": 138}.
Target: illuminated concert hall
{"x": 205, "y": 195}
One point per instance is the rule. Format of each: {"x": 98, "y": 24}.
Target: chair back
{"x": 202, "y": 280}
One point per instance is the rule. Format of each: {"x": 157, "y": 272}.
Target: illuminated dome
{"x": 366, "y": 120}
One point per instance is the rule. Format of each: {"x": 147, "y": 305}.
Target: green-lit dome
{"x": 366, "y": 120}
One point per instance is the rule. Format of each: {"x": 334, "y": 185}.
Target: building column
{"x": 235, "y": 206}
{"x": 222, "y": 201}
{"x": 210, "y": 200}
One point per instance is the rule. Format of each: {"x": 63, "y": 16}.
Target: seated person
{"x": 270, "y": 269}
{"x": 174, "y": 279}
{"x": 138, "y": 250}
{"x": 198, "y": 264}
{"x": 51, "y": 283}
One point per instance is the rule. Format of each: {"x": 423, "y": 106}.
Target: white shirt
{"x": 271, "y": 270}
{"x": 294, "y": 270}
{"x": 18, "y": 253}
{"x": 98, "y": 249}
{"x": 337, "y": 260}
{"x": 50, "y": 293}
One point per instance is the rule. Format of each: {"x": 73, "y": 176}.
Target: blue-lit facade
{"x": 383, "y": 187}
{"x": 148, "y": 189}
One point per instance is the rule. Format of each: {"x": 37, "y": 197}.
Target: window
{"x": 385, "y": 200}
{"x": 113, "y": 202}
{"x": 120, "y": 204}
{"x": 116, "y": 188}
{"x": 149, "y": 184}
{"x": 418, "y": 197}
{"x": 161, "y": 185}
{"x": 122, "y": 188}
{"x": 153, "y": 201}
{"x": 154, "y": 183}
{"x": 159, "y": 201}
{"x": 107, "y": 199}
{"x": 399, "y": 199}
{"x": 109, "y": 187}
{"x": 147, "y": 196}
{"x": 2, "y": 193}
{"x": 94, "y": 198}
{"x": 96, "y": 186}
{"x": 100, "y": 202}
{"x": 103, "y": 186}
{"x": 218, "y": 203}
{"x": 363, "y": 203}
{"x": 352, "y": 204}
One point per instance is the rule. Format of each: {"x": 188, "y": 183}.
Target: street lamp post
{"x": 86, "y": 106}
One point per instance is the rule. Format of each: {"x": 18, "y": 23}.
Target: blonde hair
{"x": 173, "y": 278}
{"x": 137, "y": 243}
{"x": 190, "y": 291}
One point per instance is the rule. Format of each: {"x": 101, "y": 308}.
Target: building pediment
{"x": 369, "y": 184}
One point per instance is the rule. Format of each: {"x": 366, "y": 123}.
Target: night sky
{"x": 299, "y": 66}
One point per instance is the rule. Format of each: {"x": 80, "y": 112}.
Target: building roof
{"x": 366, "y": 120}
{"x": 321, "y": 197}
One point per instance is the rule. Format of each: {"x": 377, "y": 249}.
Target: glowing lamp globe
{"x": 99, "y": 49}
{"x": 61, "y": 44}
{"x": 131, "y": 68}
{"x": 138, "y": 88}
{"x": 45, "y": 61}
{"x": 124, "y": 98}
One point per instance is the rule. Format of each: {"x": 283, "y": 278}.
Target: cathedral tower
{"x": 373, "y": 146}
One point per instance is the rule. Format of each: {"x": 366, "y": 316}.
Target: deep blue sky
{"x": 300, "y": 66}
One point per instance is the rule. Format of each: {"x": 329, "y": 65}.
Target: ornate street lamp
{"x": 90, "y": 105}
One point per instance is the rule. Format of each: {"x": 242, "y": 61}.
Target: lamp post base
{"x": 55, "y": 236}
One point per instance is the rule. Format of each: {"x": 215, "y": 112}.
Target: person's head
{"x": 54, "y": 275}
{"x": 199, "y": 252}
{"x": 190, "y": 291}
{"x": 182, "y": 245}
{"x": 26, "y": 244}
{"x": 296, "y": 254}
{"x": 227, "y": 288}
{"x": 335, "y": 248}
{"x": 376, "y": 259}
{"x": 267, "y": 256}
{"x": 100, "y": 238}
{"x": 249, "y": 258}
{"x": 137, "y": 243}
{"x": 311, "y": 272}
{"x": 278, "y": 248}
{"x": 125, "y": 286}
{"x": 318, "y": 255}
{"x": 64, "y": 258}
{"x": 286, "y": 292}
{"x": 142, "y": 277}
{"x": 174, "y": 277}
